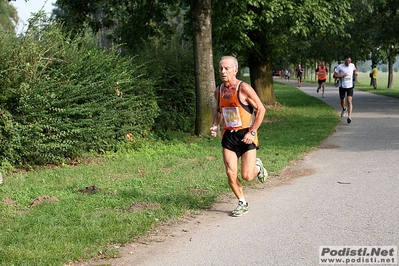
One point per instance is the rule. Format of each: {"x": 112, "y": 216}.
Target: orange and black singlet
{"x": 236, "y": 115}
{"x": 322, "y": 71}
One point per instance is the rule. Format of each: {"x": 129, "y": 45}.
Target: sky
{"x": 25, "y": 9}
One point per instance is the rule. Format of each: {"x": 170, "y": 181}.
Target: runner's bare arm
{"x": 217, "y": 117}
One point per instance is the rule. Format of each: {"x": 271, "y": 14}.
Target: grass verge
{"x": 56, "y": 216}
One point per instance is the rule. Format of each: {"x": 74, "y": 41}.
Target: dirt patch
{"x": 90, "y": 189}
{"x": 35, "y": 202}
{"x": 43, "y": 199}
{"x": 210, "y": 158}
{"x": 95, "y": 189}
{"x": 9, "y": 201}
{"x": 296, "y": 171}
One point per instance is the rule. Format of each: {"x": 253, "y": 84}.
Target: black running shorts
{"x": 347, "y": 91}
{"x": 232, "y": 140}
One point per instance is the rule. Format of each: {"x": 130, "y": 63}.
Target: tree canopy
{"x": 8, "y": 16}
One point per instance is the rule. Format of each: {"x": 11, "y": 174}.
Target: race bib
{"x": 232, "y": 117}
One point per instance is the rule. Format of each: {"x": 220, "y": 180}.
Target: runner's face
{"x": 227, "y": 70}
{"x": 348, "y": 61}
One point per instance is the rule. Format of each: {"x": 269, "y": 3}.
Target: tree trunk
{"x": 390, "y": 70}
{"x": 316, "y": 65}
{"x": 262, "y": 80}
{"x": 355, "y": 77}
{"x": 204, "y": 71}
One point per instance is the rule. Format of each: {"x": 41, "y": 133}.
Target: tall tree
{"x": 386, "y": 14}
{"x": 205, "y": 74}
{"x": 262, "y": 28}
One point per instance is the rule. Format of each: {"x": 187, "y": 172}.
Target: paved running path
{"x": 350, "y": 197}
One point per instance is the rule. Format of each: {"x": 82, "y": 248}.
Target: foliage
{"x": 8, "y": 16}
{"x": 368, "y": 36}
{"x": 157, "y": 41}
{"x": 61, "y": 97}
{"x": 129, "y": 22}
{"x": 263, "y": 29}
{"x": 172, "y": 65}
{"x": 385, "y": 14}
{"x": 167, "y": 179}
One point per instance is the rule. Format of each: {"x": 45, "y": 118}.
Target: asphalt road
{"x": 348, "y": 196}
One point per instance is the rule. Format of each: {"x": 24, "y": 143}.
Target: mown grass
{"x": 174, "y": 178}
{"x": 382, "y": 84}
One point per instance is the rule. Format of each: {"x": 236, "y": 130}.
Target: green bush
{"x": 61, "y": 97}
{"x": 172, "y": 65}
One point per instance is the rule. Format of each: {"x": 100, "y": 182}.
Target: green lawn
{"x": 382, "y": 79}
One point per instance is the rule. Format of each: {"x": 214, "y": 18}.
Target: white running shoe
{"x": 343, "y": 112}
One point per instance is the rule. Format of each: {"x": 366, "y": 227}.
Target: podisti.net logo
{"x": 358, "y": 255}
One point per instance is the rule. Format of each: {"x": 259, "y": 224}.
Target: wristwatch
{"x": 253, "y": 133}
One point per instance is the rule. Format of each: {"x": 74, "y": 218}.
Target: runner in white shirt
{"x": 345, "y": 74}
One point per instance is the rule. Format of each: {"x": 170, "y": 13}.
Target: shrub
{"x": 172, "y": 65}
{"x": 61, "y": 97}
